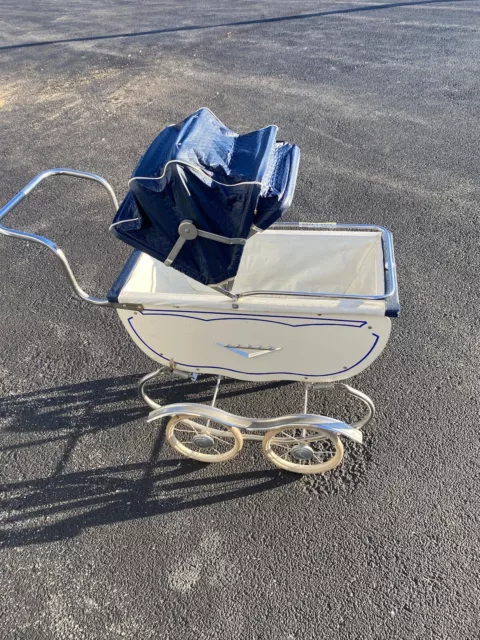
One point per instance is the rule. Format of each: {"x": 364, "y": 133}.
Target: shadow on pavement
{"x": 77, "y": 501}
{"x": 65, "y": 503}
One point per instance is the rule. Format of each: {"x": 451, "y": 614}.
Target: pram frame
{"x": 253, "y": 429}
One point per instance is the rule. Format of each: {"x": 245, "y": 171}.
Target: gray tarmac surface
{"x": 105, "y": 532}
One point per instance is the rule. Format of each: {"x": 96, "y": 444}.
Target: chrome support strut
{"x": 154, "y": 374}
{"x": 368, "y": 402}
{"x": 359, "y": 395}
{"x": 141, "y": 389}
{"x": 215, "y": 396}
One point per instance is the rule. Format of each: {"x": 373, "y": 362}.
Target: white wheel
{"x": 203, "y": 440}
{"x": 303, "y": 450}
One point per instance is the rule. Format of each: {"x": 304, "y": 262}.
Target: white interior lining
{"x": 312, "y": 261}
{"x": 276, "y": 260}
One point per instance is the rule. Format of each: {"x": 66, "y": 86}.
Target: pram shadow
{"x": 89, "y": 407}
{"x": 63, "y": 504}
{"x": 79, "y": 501}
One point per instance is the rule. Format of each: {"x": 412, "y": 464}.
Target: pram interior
{"x": 276, "y": 260}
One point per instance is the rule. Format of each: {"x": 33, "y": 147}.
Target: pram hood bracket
{"x": 188, "y": 231}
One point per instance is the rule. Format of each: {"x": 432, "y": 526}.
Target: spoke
{"x": 191, "y": 423}
{"x": 222, "y": 445}
{"x": 219, "y": 439}
{"x": 329, "y": 452}
{"x": 216, "y": 451}
{"x": 287, "y": 435}
{"x": 283, "y": 446}
{"x": 185, "y": 430}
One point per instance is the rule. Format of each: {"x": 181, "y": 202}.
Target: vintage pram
{"x": 213, "y": 286}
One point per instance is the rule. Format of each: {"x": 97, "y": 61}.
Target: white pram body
{"x": 191, "y": 327}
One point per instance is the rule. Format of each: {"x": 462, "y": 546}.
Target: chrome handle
{"x": 23, "y": 235}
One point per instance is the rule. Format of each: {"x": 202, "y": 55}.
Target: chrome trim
{"x": 239, "y": 350}
{"x": 191, "y": 409}
{"x": 33, "y": 237}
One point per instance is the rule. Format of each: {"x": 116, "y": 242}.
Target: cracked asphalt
{"x": 105, "y": 533}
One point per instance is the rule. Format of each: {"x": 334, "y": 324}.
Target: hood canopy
{"x": 198, "y": 190}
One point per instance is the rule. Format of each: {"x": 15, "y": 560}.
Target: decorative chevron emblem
{"x": 250, "y": 351}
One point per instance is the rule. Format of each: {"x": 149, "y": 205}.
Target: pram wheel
{"x": 305, "y": 451}
{"x": 203, "y": 440}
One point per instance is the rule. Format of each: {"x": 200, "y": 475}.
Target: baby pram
{"x": 216, "y": 285}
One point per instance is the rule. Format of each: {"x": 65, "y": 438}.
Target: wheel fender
{"x": 250, "y": 424}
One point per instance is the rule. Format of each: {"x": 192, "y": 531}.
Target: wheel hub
{"x": 203, "y": 441}
{"x": 302, "y": 452}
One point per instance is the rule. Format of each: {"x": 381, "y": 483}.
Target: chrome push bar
{"x": 23, "y": 235}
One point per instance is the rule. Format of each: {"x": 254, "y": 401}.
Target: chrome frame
{"x": 250, "y": 425}
{"x": 33, "y": 237}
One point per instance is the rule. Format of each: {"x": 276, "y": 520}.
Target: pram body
{"x": 193, "y": 328}
{"x": 308, "y": 302}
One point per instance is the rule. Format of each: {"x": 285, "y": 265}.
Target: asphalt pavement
{"x": 105, "y": 532}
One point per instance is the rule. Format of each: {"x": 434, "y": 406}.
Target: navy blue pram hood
{"x": 201, "y": 171}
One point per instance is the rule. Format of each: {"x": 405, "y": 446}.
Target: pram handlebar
{"x": 23, "y": 235}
